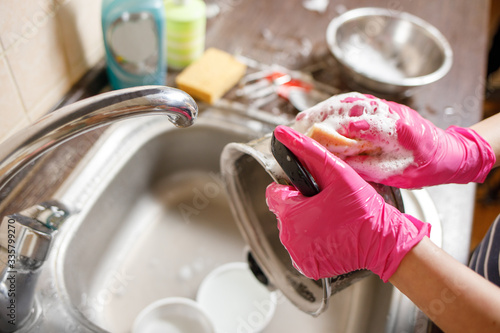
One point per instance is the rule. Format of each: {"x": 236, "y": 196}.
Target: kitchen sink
{"x": 150, "y": 218}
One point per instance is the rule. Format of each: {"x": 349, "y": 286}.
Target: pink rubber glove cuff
{"x": 479, "y": 157}
{"x": 415, "y": 235}
{"x": 455, "y": 155}
{"x": 458, "y": 155}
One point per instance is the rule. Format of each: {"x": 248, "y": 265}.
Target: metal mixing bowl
{"x": 388, "y": 52}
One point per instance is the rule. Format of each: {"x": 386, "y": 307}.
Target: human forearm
{"x": 453, "y": 296}
{"x": 489, "y": 130}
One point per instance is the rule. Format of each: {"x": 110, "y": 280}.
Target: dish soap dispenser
{"x": 134, "y": 40}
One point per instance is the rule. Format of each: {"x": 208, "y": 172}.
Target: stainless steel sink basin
{"x": 150, "y": 219}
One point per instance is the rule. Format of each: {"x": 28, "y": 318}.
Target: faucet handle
{"x": 29, "y": 234}
{"x": 50, "y": 213}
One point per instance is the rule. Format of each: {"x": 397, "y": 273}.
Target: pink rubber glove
{"x": 397, "y": 146}
{"x": 347, "y": 226}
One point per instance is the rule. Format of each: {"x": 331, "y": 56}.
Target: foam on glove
{"x": 369, "y": 122}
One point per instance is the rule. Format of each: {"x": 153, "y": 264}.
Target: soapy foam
{"x": 375, "y": 117}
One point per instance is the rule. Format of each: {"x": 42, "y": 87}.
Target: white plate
{"x": 234, "y": 299}
{"x": 419, "y": 204}
{"x": 173, "y": 315}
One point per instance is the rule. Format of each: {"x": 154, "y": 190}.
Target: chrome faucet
{"x": 26, "y": 237}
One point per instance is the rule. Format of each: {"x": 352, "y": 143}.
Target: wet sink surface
{"x": 175, "y": 233}
{"x": 152, "y": 219}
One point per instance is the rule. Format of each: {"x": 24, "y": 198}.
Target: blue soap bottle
{"x": 135, "y": 43}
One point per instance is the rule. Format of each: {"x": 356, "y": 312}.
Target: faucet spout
{"x": 77, "y": 118}
{"x": 25, "y": 238}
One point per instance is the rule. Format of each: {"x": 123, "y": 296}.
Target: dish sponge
{"x": 211, "y": 76}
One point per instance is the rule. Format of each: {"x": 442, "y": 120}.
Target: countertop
{"x": 288, "y": 34}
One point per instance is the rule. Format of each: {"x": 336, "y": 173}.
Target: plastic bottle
{"x": 134, "y": 39}
{"x": 186, "y": 26}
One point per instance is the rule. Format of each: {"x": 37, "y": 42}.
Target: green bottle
{"x": 186, "y": 25}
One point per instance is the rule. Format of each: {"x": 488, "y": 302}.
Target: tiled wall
{"x": 45, "y": 46}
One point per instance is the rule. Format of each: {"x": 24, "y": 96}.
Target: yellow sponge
{"x": 211, "y": 76}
